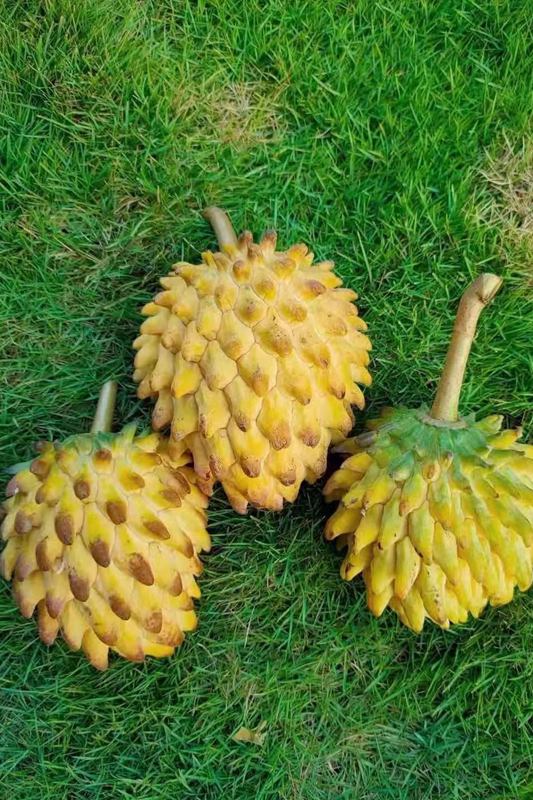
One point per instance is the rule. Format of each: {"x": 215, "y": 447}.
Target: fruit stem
{"x": 103, "y": 418}
{"x": 221, "y": 224}
{"x": 475, "y": 298}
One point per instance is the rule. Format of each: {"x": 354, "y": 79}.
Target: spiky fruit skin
{"x": 439, "y": 519}
{"x": 102, "y": 536}
{"x": 255, "y": 357}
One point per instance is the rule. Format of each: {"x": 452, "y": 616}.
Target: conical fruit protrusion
{"x": 437, "y": 511}
{"x": 103, "y": 534}
{"x": 254, "y": 358}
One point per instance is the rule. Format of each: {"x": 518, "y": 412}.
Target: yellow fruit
{"x": 450, "y": 524}
{"x": 254, "y": 357}
{"x": 102, "y": 536}
{"x": 422, "y": 550}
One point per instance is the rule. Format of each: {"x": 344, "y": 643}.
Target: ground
{"x": 391, "y": 137}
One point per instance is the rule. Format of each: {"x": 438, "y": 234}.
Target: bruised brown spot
{"x": 241, "y": 270}
{"x": 295, "y": 312}
{"x": 137, "y": 656}
{"x": 119, "y": 607}
{"x": 202, "y": 424}
{"x": 100, "y": 552}
{"x": 132, "y": 481}
{"x": 430, "y": 471}
{"x": 234, "y": 348}
{"x": 260, "y": 383}
{"x": 22, "y": 568}
{"x": 254, "y": 251}
{"x": 279, "y": 341}
{"x": 156, "y": 527}
{"x": 176, "y": 586}
{"x": 40, "y": 467}
{"x": 103, "y": 456}
{"x": 54, "y": 605}
{"x": 12, "y": 487}
{"x": 26, "y": 607}
{"x": 41, "y": 556}
{"x": 245, "y": 239}
{"x": 40, "y": 495}
{"x": 216, "y": 467}
{"x": 172, "y": 638}
{"x": 186, "y": 546}
{"x": 288, "y": 478}
{"x": 250, "y": 310}
{"x": 265, "y": 288}
{"x": 140, "y": 569}
{"x": 251, "y": 466}
{"x": 64, "y": 527}
{"x": 23, "y": 522}
{"x": 47, "y": 631}
{"x": 188, "y": 605}
{"x": 320, "y": 465}
{"x": 280, "y": 436}
{"x": 82, "y": 489}
{"x": 154, "y": 622}
{"x": 107, "y": 637}
{"x": 241, "y": 421}
{"x": 182, "y": 481}
{"x": 336, "y": 326}
{"x": 270, "y": 237}
{"x": 338, "y": 391}
{"x": 116, "y": 511}
{"x": 79, "y": 586}
{"x": 315, "y": 287}
{"x": 171, "y": 496}
{"x": 309, "y": 437}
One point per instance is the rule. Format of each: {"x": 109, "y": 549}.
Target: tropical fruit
{"x": 436, "y": 511}
{"x": 103, "y": 533}
{"x": 254, "y": 357}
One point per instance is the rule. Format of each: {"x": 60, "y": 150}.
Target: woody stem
{"x": 476, "y": 297}
{"x": 221, "y": 224}
{"x": 103, "y": 418}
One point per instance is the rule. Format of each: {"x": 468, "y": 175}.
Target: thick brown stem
{"x": 476, "y": 297}
{"x": 103, "y": 418}
{"x": 221, "y": 224}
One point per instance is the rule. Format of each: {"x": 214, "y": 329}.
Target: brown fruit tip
{"x": 23, "y": 523}
{"x": 157, "y": 528}
{"x": 64, "y": 528}
{"x": 119, "y": 607}
{"x": 40, "y": 468}
{"x": 140, "y": 569}
{"x": 79, "y": 586}
{"x": 82, "y": 489}
{"x": 12, "y": 487}
{"x": 116, "y": 511}
{"x": 100, "y": 552}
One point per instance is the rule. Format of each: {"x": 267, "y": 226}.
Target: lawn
{"x": 391, "y": 137}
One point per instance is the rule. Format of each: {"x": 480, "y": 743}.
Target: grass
{"x": 368, "y": 129}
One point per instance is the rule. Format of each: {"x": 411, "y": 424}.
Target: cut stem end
{"x": 103, "y": 418}
{"x": 221, "y": 224}
{"x": 478, "y": 295}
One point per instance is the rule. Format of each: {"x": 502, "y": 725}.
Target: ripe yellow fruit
{"x": 102, "y": 536}
{"x": 255, "y": 357}
{"x": 439, "y": 520}
{"x": 436, "y": 511}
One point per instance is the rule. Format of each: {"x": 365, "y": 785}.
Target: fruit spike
{"x": 254, "y": 358}
{"x": 436, "y": 511}
{"x": 102, "y": 534}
